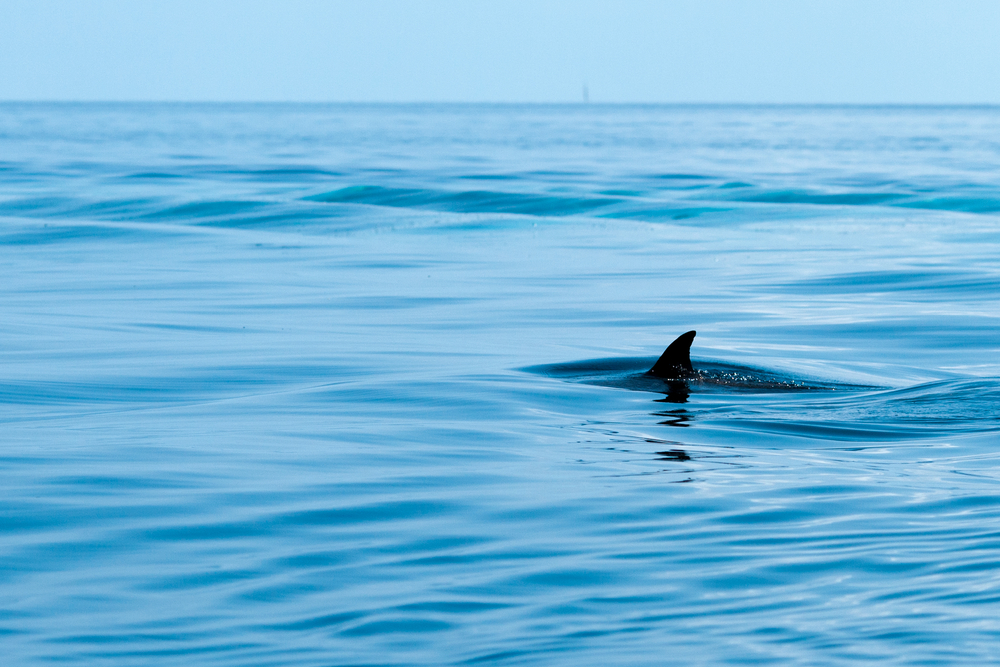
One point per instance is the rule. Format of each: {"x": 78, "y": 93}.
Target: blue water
{"x": 267, "y": 398}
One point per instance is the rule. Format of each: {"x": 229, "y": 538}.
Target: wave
{"x": 486, "y": 201}
{"x": 988, "y": 203}
{"x": 688, "y": 199}
{"x": 476, "y": 201}
{"x": 923, "y": 281}
{"x": 646, "y": 205}
{"x": 745, "y": 398}
{"x": 927, "y": 410}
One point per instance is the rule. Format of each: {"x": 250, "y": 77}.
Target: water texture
{"x": 335, "y": 385}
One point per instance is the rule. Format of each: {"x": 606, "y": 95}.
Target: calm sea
{"x": 264, "y": 398}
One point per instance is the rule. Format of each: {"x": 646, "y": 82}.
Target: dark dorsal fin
{"x": 675, "y": 362}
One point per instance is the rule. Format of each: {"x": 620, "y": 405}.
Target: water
{"x": 266, "y": 391}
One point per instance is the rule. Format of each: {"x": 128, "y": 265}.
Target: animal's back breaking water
{"x": 265, "y": 400}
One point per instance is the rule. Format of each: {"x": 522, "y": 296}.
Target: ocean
{"x": 279, "y": 384}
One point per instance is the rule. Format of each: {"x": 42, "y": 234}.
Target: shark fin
{"x": 675, "y": 362}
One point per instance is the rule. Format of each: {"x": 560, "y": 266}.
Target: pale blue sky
{"x": 839, "y": 51}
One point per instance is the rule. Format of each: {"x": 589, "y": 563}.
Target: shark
{"x": 674, "y": 375}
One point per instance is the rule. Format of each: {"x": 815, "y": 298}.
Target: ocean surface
{"x": 322, "y": 385}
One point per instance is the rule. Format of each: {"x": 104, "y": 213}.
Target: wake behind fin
{"x": 675, "y": 362}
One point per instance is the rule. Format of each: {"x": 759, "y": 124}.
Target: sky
{"x": 726, "y": 51}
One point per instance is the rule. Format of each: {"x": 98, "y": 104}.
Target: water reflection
{"x": 681, "y": 418}
{"x": 673, "y": 455}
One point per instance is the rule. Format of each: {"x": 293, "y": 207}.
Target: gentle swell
{"x": 311, "y": 213}
{"x": 481, "y": 201}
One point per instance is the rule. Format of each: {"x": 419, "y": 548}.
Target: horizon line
{"x": 502, "y": 103}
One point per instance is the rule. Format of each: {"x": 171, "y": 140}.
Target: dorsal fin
{"x": 675, "y": 362}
